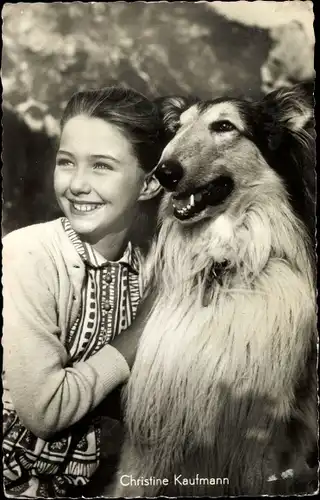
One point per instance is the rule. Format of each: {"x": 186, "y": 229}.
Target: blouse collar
{"x": 93, "y": 258}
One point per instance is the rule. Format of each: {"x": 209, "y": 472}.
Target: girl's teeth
{"x": 85, "y": 208}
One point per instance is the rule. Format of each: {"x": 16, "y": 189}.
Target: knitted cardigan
{"x": 42, "y": 281}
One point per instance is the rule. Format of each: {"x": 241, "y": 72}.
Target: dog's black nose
{"x": 169, "y": 174}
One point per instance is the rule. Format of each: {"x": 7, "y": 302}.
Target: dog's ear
{"x": 287, "y": 112}
{"x": 291, "y": 108}
{"x": 171, "y": 107}
{"x": 288, "y": 135}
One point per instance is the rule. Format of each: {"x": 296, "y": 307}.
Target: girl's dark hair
{"x": 135, "y": 115}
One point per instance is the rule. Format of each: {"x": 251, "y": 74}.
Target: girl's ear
{"x": 151, "y": 188}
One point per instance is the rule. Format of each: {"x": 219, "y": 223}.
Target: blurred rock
{"x": 267, "y": 14}
{"x": 27, "y": 169}
{"x": 36, "y": 116}
{"x": 51, "y": 50}
{"x": 291, "y": 58}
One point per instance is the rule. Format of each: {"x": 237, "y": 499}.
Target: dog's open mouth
{"x": 188, "y": 204}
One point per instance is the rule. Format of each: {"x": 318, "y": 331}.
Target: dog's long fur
{"x": 224, "y": 383}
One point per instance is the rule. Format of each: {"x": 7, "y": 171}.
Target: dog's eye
{"x": 222, "y": 126}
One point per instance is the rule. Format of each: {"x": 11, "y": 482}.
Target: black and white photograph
{"x": 159, "y": 264}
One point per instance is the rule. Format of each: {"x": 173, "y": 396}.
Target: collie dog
{"x": 222, "y": 399}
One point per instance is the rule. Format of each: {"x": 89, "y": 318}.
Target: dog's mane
{"x": 214, "y": 389}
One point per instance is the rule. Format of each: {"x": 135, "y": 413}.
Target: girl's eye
{"x": 222, "y": 126}
{"x": 64, "y": 162}
{"x": 99, "y": 165}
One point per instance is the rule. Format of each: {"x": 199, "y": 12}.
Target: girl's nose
{"x": 79, "y": 183}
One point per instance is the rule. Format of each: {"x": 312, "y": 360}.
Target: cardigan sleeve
{"x": 47, "y": 394}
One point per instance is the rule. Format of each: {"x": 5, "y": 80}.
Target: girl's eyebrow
{"x": 61, "y": 151}
{"x": 107, "y": 157}
{"x": 95, "y": 156}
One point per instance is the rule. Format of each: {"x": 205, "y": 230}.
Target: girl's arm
{"x": 47, "y": 393}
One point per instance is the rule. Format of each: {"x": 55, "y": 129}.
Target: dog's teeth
{"x": 192, "y": 200}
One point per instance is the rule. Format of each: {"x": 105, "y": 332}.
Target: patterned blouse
{"x": 110, "y": 297}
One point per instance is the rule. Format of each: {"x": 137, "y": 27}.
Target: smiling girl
{"x": 70, "y": 287}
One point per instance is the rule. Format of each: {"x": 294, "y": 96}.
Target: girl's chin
{"x": 100, "y": 222}
{"x": 87, "y": 223}
{"x": 93, "y": 229}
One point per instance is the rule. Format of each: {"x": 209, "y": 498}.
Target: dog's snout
{"x": 169, "y": 174}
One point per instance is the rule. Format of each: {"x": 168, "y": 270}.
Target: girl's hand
{"x": 127, "y": 342}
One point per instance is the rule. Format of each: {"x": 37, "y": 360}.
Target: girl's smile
{"x": 84, "y": 207}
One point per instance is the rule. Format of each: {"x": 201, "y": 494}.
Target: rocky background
{"x": 207, "y": 48}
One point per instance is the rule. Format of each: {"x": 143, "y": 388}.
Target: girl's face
{"x": 97, "y": 178}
